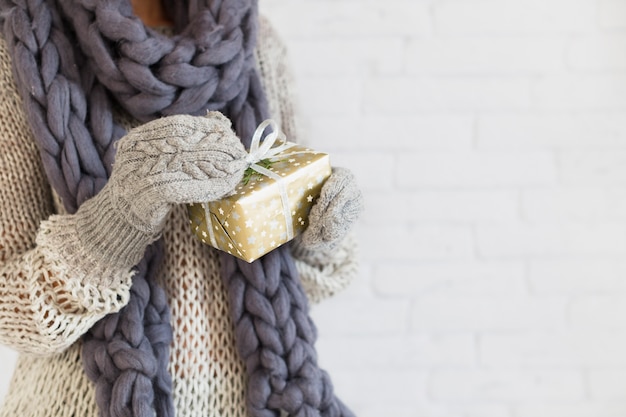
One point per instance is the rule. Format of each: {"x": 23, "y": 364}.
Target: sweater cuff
{"x": 326, "y": 272}
{"x": 107, "y": 236}
{"x": 95, "y": 243}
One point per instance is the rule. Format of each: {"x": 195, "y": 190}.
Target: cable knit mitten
{"x": 331, "y": 218}
{"x": 173, "y": 160}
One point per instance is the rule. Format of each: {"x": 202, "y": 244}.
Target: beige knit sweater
{"x": 51, "y": 292}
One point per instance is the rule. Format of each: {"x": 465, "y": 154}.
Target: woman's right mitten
{"x": 172, "y": 160}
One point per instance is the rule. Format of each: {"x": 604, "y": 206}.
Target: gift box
{"x": 269, "y": 207}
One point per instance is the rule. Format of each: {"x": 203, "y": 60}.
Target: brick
{"x": 598, "y": 312}
{"x": 564, "y": 204}
{"x": 361, "y": 163}
{"x": 519, "y": 386}
{"x": 578, "y": 276}
{"x": 616, "y": 203}
{"x": 608, "y": 384}
{"x": 415, "y": 351}
{"x": 485, "y": 55}
{"x": 567, "y": 204}
{"x": 465, "y": 205}
{"x": 351, "y": 19}
{"x": 611, "y": 14}
{"x": 408, "y": 95}
{"x": 553, "y": 130}
{"x": 572, "y": 409}
{"x": 604, "y": 52}
{"x": 337, "y": 57}
{"x": 475, "y": 169}
{"x": 450, "y": 278}
{"x": 444, "y": 206}
{"x": 486, "y": 313}
{"x": 605, "y": 92}
{"x": 359, "y": 287}
{"x": 381, "y": 206}
{"x": 330, "y": 96}
{"x": 376, "y": 410}
{"x": 549, "y": 350}
{"x": 483, "y": 410}
{"x": 496, "y": 17}
{"x": 400, "y": 388}
{"x": 449, "y": 132}
{"x": 448, "y": 409}
{"x": 360, "y": 316}
{"x": 549, "y": 239}
{"x": 398, "y": 242}
{"x": 593, "y": 167}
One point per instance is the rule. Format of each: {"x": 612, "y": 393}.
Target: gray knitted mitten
{"x": 172, "y": 160}
{"x": 332, "y": 216}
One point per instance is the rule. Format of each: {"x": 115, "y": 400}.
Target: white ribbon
{"x": 267, "y": 150}
{"x": 258, "y": 152}
{"x": 209, "y": 224}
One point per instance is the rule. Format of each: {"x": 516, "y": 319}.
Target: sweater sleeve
{"x": 322, "y": 274}
{"x": 51, "y": 291}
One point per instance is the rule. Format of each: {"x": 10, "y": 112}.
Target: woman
{"x": 105, "y": 134}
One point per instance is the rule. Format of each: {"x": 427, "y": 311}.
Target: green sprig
{"x": 250, "y": 172}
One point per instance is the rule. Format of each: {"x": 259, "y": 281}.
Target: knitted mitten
{"x": 172, "y": 160}
{"x": 332, "y": 216}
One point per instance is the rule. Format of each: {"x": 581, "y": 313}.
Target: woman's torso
{"x": 207, "y": 374}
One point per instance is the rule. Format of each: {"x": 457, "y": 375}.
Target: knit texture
{"x": 171, "y": 160}
{"x": 207, "y": 66}
{"x": 339, "y": 205}
{"x": 174, "y": 160}
{"x": 63, "y": 311}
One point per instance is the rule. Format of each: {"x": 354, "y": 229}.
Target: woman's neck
{"x": 151, "y": 13}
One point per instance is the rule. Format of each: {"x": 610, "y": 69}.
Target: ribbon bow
{"x": 266, "y": 150}
{"x": 271, "y": 149}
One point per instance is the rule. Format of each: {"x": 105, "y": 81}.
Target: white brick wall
{"x": 489, "y": 137}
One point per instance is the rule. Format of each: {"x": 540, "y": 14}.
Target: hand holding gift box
{"x": 271, "y": 204}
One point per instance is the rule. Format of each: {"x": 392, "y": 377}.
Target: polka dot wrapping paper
{"x": 263, "y": 211}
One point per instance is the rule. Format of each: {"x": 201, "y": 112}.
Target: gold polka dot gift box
{"x": 270, "y": 205}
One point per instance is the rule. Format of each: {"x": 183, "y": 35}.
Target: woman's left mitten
{"x": 332, "y": 216}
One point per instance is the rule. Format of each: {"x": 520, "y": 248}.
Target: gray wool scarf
{"x": 74, "y": 60}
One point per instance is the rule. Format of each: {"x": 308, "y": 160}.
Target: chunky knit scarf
{"x": 74, "y": 60}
